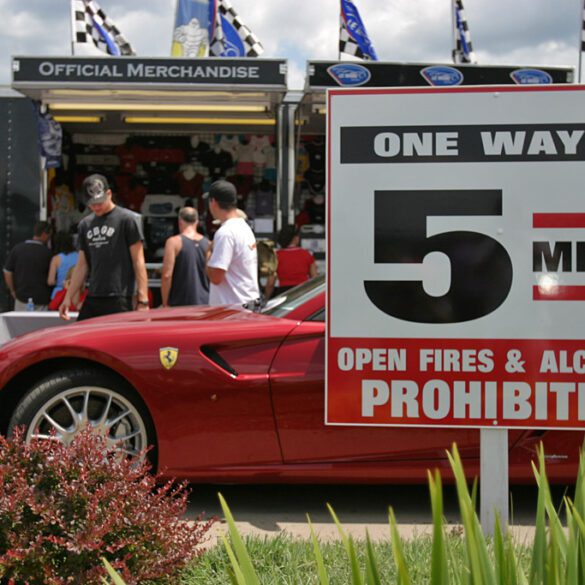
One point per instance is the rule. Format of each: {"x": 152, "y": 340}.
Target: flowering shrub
{"x": 65, "y": 508}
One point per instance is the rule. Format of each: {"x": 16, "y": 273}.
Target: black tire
{"x": 67, "y": 401}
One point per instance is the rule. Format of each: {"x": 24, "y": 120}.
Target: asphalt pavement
{"x": 267, "y": 510}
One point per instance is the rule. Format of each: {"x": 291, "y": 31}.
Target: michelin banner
{"x": 192, "y": 26}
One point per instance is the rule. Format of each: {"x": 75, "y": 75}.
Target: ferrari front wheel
{"x": 64, "y": 403}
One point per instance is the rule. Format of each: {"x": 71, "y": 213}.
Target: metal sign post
{"x": 493, "y": 479}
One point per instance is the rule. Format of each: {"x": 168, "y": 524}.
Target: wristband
{"x": 145, "y": 303}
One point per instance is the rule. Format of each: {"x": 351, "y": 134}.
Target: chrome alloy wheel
{"x": 106, "y": 412}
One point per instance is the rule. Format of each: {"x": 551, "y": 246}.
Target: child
{"x": 58, "y": 298}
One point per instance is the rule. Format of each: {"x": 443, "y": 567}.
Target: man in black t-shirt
{"x": 111, "y": 254}
{"x": 26, "y": 269}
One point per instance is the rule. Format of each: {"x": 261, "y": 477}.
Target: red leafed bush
{"x": 63, "y": 508}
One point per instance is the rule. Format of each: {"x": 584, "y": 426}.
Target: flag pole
{"x": 339, "y": 35}
{"x": 581, "y": 40}
{"x": 72, "y": 22}
{"x": 453, "y": 33}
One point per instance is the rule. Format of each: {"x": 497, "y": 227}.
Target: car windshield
{"x": 286, "y": 302}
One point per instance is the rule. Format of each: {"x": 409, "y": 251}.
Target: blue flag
{"x": 50, "y": 136}
{"x": 233, "y": 45}
{"x": 230, "y": 37}
{"x": 353, "y": 38}
{"x": 463, "y": 52}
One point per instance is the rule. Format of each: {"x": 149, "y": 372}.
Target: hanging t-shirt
{"x": 106, "y": 242}
{"x": 190, "y": 181}
{"x": 230, "y": 144}
{"x": 316, "y": 211}
{"x": 245, "y": 164}
{"x": 234, "y": 250}
{"x": 316, "y": 152}
{"x": 260, "y": 144}
{"x": 315, "y": 180}
{"x": 218, "y": 163}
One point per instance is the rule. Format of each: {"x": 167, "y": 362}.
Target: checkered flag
{"x": 94, "y": 33}
{"x": 463, "y": 51}
{"x": 353, "y": 38}
{"x": 231, "y": 37}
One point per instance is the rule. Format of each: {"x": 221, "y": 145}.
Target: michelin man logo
{"x": 192, "y": 38}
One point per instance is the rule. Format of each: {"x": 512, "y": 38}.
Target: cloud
{"x": 523, "y": 32}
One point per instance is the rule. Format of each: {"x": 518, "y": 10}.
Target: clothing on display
{"x": 316, "y": 151}
{"x": 302, "y": 163}
{"x": 313, "y": 212}
{"x": 261, "y": 200}
{"x": 260, "y": 145}
{"x": 198, "y": 150}
{"x": 190, "y": 181}
{"x": 133, "y": 196}
{"x": 218, "y": 162}
{"x": 174, "y": 169}
{"x": 245, "y": 164}
{"x": 63, "y": 208}
{"x": 315, "y": 180}
{"x": 230, "y": 144}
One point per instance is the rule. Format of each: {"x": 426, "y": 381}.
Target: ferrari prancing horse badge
{"x": 168, "y": 356}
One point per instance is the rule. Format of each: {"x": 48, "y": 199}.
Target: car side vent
{"x": 210, "y": 353}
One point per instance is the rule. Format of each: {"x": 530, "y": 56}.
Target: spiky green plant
{"x": 558, "y": 554}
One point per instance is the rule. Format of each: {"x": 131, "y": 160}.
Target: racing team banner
{"x": 456, "y": 257}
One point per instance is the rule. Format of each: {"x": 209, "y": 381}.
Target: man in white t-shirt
{"x": 232, "y": 266}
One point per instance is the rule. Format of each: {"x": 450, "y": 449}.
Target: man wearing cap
{"x": 232, "y": 266}
{"x": 111, "y": 254}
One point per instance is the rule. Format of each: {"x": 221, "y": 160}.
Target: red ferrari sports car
{"x": 227, "y": 394}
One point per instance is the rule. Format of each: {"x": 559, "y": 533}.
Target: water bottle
{"x": 30, "y": 306}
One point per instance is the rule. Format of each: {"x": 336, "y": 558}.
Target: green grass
{"x": 284, "y": 560}
{"x": 556, "y": 555}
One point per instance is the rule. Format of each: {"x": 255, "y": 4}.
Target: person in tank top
{"x": 184, "y": 280}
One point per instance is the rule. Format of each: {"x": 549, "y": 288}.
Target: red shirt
{"x": 58, "y": 299}
{"x": 293, "y": 266}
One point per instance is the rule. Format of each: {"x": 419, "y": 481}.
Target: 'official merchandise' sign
{"x": 456, "y": 262}
{"x": 133, "y": 70}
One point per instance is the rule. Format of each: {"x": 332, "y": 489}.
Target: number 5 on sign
{"x": 481, "y": 269}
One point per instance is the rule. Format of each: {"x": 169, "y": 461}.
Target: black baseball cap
{"x": 95, "y": 188}
{"x": 223, "y": 192}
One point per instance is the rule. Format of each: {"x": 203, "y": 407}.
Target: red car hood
{"x": 202, "y": 321}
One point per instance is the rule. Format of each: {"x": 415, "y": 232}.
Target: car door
{"x": 297, "y": 386}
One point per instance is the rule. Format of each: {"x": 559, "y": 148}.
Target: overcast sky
{"x": 511, "y": 32}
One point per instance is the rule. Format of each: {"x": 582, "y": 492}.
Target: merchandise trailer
{"x": 161, "y": 130}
